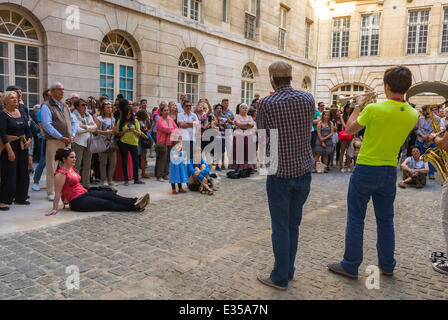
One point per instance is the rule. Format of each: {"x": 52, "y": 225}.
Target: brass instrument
{"x": 436, "y": 156}
{"x": 342, "y": 101}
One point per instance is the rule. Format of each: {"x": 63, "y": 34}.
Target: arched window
{"x": 306, "y": 84}
{"x": 247, "y": 85}
{"x": 20, "y": 55}
{"x": 117, "y": 67}
{"x": 347, "y": 90}
{"x": 188, "y": 77}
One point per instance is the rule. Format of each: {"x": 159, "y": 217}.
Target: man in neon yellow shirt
{"x": 387, "y": 125}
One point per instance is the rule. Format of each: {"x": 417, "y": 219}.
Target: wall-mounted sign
{"x": 224, "y": 89}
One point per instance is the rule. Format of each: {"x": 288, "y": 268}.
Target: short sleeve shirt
{"x": 183, "y": 117}
{"x": 416, "y": 165}
{"x": 387, "y": 125}
{"x": 316, "y": 115}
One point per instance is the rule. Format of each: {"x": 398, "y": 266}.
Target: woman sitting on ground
{"x": 68, "y": 187}
{"x": 197, "y": 173}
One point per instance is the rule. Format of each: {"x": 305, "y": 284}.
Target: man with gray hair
{"x": 59, "y": 129}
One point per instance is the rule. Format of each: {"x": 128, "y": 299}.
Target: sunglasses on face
{"x": 106, "y": 103}
{"x": 84, "y": 105}
{"x": 188, "y": 106}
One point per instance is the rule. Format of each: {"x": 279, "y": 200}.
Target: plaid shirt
{"x": 291, "y": 112}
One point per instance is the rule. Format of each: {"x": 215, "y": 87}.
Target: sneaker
{"x": 35, "y": 187}
{"x": 160, "y": 180}
{"x": 389, "y": 274}
{"x": 337, "y": 268}
{"x": 266, "y": 280}
{"x": 126, "y": 183}
{"x": 139, "y": 182}
{"x": 50, "y": 197}
{"x": 441, "y": 267}
{"x": 141, "y": 202}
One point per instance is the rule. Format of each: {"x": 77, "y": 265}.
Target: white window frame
{"x": 193, "y": 72}
{"x": 245, "y": 83}
{"x": 444, "y": 24}
{"x": 250, "y": 13}
{"x": 188, "y": 4}
{"x": 370, "y": 28}
{"x": 251, "y": 7}
{"x": 12, "y": 41}
{"x": 417, "y": 37}
{"x": 118, "y": 61}
{"x": 282, "y": 28}
{"x": 340, "y": 31}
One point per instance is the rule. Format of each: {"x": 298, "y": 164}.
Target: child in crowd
{"x": 178, "y": 171}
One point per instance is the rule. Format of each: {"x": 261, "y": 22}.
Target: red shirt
{"x": 164, "y": 130}
{"x": 72, "y": 188}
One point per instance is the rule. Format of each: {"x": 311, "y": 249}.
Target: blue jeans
{"x": 41, "y": 165}
{"x": 422, "y": 151}
{"x": 286, "y": 198}
{"x": 378, "y": 183}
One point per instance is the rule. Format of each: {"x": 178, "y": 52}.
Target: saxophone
{"x": 436, "y": 156}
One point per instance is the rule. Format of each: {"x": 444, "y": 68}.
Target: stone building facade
{"x": 156, "y": 49}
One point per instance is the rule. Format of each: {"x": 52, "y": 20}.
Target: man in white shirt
{"x": 187, "y": 120}
{"x": 183, "y": 98}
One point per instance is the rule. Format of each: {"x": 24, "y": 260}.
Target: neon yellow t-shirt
{"x": 129, "y": 137}
{"x": 387, "y": 125}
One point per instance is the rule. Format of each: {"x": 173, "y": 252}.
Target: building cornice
{"x": 408, "y": 61}
{"x": 165, "y": 15}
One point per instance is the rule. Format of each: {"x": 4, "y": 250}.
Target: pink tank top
{"x": 72, "y": 187}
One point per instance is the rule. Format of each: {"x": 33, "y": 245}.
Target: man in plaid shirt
{"x": 290, "y": 113}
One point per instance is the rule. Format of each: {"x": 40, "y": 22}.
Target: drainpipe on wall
{"x": 317, "y": 57}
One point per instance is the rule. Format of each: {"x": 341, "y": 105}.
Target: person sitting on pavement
{"x": 414, "y": 170}
{"x": 198, "y": 172}
{"x": 68, "y": 187}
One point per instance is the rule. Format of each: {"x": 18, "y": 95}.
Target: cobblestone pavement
{"x": 202, "y": 247}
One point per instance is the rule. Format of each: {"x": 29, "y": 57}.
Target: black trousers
{"x": 97, "y": 200}
{"x": 15, "y": 179}
{"x": 124, "y": 149}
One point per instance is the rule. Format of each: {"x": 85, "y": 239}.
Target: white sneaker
{"x": 50, "y": 197}
{"x": 35, "y": 187}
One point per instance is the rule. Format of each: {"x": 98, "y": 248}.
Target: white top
{"x": 82, "y": 135}
{"x": 179, "y": 108}
{"x": 183, "y": 117}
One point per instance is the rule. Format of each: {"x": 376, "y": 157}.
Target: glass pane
{"x": 110, "y": 69}
{"x": 20, "y": 68}
{"x": 102, "y": 81}
{"x": 4, "y": 49}
{"x": 130, "y": 96}
{"x": 33, "y": 70}
{"x": 130, "y": 73}
{"x": 20, "y": 52}
{"x": 25, "y": 98}
{"x": 33, "y": 85}
{"x": 4, "y": 82}
{"x": 33, "y": 54}
{"x": 4, "y": 66}
{"x": 110, "y": 93}
{"x": 110, "y": 82}
{"x": 102, "y": 92}
{"x": 102, "y": 68}
{"x": 122, "y": 83}
{"x": 122, "y": 71}
{"x": 33, "y": 99}
{"x": 21, "y": 82}
{"x": 130, "y": 84}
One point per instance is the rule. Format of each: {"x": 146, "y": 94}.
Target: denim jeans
{"x": 286, "y": 198}
{"x": 41, "y": 165}
{"x": 422, "y": 151}
{"x": 378, "y": 183}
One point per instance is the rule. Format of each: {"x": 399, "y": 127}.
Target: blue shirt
{"x": 47, "y": 121}
{"x": 191, "y": 170}
{"x": 38, "y": 116}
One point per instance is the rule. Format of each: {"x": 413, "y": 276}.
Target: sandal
{"x": 438, "y": 256}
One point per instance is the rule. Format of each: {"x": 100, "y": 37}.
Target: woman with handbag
{"x": 15, "y": 139}
{"x": 324, "y": 142}
{"x": 145, "y": 140}
{"x": 165, "y": 126}
{"x": 106, "y": 128}
{"x": 128, "y": 129}
{"x": 85, "y": 125}
{"x": 345, "y": 140}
